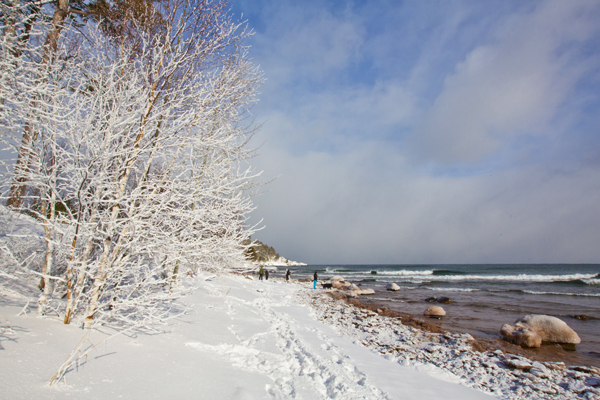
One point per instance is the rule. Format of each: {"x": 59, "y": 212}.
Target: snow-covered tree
{"x": 138, "y": 171}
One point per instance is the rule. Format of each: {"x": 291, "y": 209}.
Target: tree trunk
{"x": 17, "y": 190}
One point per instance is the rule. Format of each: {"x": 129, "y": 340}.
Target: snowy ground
{"x": 242, "y": 339}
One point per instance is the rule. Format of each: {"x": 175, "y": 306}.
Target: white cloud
{"x": 512, "y": 86}
{"x": 349, "y": 191}
{"x": 368, "y": 206}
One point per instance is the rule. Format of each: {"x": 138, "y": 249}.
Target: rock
{"x": 551, "y": 329}
{"x": 434, "y": 311}
{"x": 555, "y": 365}
{"x": 592, "y": 381}
{"x": 365, "y": 291}
{"x": 353, "y": 287}
{"x": 444, "y": 300}
{"x": 523, "y": 336}
{"x": 587, "y": 370}
{"x": 337, "y": 285}
{"x": 431, "y": 300}
{"x": 518, "y": 364}
{"x": 393, "y": 287}
{"x": 346, "y": 285}
{"x": 336, "y": 278}
{"x": 581, "y": 317}
{"x": 539, "y": 373}
{"x": 532, "y": 330}
{"x": 352, "y": 294}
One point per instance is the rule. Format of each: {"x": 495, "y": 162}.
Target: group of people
{"x": 263, "y": 272}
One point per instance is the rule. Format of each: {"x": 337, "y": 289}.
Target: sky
{"x": 411, "y": 132}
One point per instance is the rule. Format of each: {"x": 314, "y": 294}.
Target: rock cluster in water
{"x": 505, "y": 375}
{"x": 351, "y": 290}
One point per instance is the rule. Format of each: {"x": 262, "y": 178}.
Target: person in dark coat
{"x": 287, "y": 275}
{"x": 266, "y": 274}
{"x": 315, "y": 281}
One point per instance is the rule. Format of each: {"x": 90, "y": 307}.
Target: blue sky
{"x": 428, "y": 131}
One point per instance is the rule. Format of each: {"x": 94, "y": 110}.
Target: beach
{"x": 241, "y": 338}
{"x": 479, "y": 299}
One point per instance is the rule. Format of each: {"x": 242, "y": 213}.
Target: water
{"x": 484, "y": 296}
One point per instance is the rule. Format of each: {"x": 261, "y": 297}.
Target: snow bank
{"x": 242, "y": 339}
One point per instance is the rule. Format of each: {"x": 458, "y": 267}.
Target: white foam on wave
{"x": 382, "y": 273}
{"x": 562, "y": 294}
{"x": 507, "y": 278}
{"x": 592, "y": 281}
{"x": 406, "y": 273}
{"x": 438, "y": 289}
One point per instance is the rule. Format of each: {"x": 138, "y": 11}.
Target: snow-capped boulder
{"x": 353, "y": 286}
{"x": 532, "y": 330}
{"x": 337, "y": 285}
{"x": 521, "y": 335}
{"x": 434, "y": 311}
{"x": 551, "y": 329}
{"x": 393, "y": 287}
{"x": 337, "y": 278}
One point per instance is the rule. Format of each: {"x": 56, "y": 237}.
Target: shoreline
{"x": 547, "y": 352}
{"x": 495, "y": 367}
{"x": 492, "y": 366}
{"x": 489, "y": 336}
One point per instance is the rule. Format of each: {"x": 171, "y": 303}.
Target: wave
{"x": 439, "y": 289}
{"x": 447, "y": 272}
{"x": 513, "y": 278}
{"x": 594, "y": 281}
{"x": 562, "y": 293}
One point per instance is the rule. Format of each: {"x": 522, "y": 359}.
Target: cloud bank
{"x": 412, "y": 133}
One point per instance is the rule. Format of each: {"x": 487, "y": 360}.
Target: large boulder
{"x": 353, "y": 286}
{"x": 393, "y": 287}
{"x": 337, "y": 285}
{"x": 337, "y": 278}
{"x": 434, "y": 311}
{"x": 550, "y": 329}
{"x": 521, "y": 335}
{"x": 532, "y": 330}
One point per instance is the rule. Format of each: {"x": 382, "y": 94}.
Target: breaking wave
{"x": 516, "y": 278}
{"x": 562, "y": 294}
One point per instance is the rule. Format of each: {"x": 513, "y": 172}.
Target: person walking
{"x": 287, "y": 275}
{"x": 315, "y": 281}
{"x": 266, "y": 274}
{"x": 261, "y": 272}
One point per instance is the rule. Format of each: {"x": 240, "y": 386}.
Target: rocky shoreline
{"x": 495, "y": 367}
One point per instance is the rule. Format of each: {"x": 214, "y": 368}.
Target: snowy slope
{"x": 242, "y": 339}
